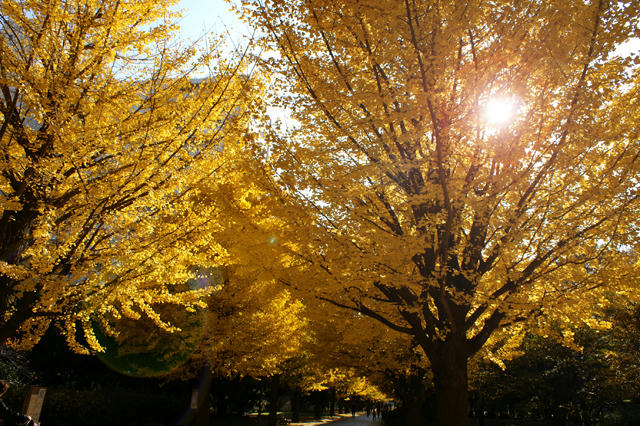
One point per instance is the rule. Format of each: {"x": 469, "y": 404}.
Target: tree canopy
{"x": 453, "y": 170}
{"x": 456, "y": 167}
{"x": 105, "y": 137}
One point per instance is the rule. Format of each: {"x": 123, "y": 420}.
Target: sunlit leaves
{"x": 433, "y": 216}
{"x": 108, "y": 142}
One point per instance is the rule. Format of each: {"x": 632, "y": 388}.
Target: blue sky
{"x": 204, "y": 16}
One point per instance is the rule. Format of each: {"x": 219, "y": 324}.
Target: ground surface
{"x": 344, "y": 420}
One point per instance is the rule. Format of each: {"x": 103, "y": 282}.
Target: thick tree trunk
{"x": 15, "y": 238}
{"x": 415, "y": 401}
{"x": 449, "y": 366}
{"x": 10, "y": 329}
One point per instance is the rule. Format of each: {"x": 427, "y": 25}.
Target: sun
{"x": 500, "y": 110}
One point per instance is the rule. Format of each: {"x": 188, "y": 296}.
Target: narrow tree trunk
{"x": 274, "y": 395}
{"x": 295, "y": 405}
{"x": 449, "y": 366}
{"x": 317, "y": 405}
{"x": 221, "y": 403}
{"x": 204, "y": 402}
{"x": 332, "y": 402}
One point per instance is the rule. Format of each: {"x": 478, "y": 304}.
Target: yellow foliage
{"x": 107, "y": 141}
{"x": 423, "y": 207}
{"x": 254, "y": 332}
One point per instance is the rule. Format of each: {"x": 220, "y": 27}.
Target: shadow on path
{"x": 344, "y": 421}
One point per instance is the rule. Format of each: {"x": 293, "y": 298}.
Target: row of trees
{"x": 129, "y": 190}
{"x": 547, "y": 382}
{"x": 420, "y": 213}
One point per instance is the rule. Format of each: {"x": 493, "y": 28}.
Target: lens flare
{"x": 142, "y": 349}
{"x": 149, "y": 351}
{"x": 500, "y": 110}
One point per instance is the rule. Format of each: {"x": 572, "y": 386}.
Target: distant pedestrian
{"x": 9, "y": 417}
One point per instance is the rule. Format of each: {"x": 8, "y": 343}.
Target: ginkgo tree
{"x": 105, "y": 139}
{"x": 455, "y": 167}
{"x": 356, "y": 356}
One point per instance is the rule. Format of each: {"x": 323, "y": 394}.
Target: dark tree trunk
{"x": 10, "y": 329}
{"x": 295, "y": 406}
{"x": 449, "y": 366}
{"x": 415, "y": 401}
{"x": 274, "y": 395}
{"x": 15, "y": 238}
{"x": 332, "y": 402}
{"x": 204, "y": 400}
{"x": 317, "y": 405}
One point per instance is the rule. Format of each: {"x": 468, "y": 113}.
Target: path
{"x": 345, "y": 421}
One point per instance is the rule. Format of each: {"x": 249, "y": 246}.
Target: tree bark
{"x": 274, "y": 395}
{"x": 332, "y": 402}
{"x": 415, "y": 401}
{"x": 295, "y": 405}
{"x": 449, "y": 366}
{"x": 317, "y": 405}
{"x": 15, "y": 238}
{"x": 204, "y": 402}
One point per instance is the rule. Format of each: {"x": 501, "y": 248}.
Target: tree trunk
{"x": 295, "y": 405}
{"x": 317, "y": 405}
{"x": 274, "y": 395}
{"x": 221, "y": 406}
{"x": 15, "y": 238}
{"x": 449, "y": 366}
{"x": 332, "y": 402}
{"x": 204, "y": 403}
{"x": 415, "y": 401}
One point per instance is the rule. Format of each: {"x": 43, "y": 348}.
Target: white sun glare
{"x": 499, "y": 111}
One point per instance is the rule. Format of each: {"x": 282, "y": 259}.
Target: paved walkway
{"x": 344, "y": 420}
